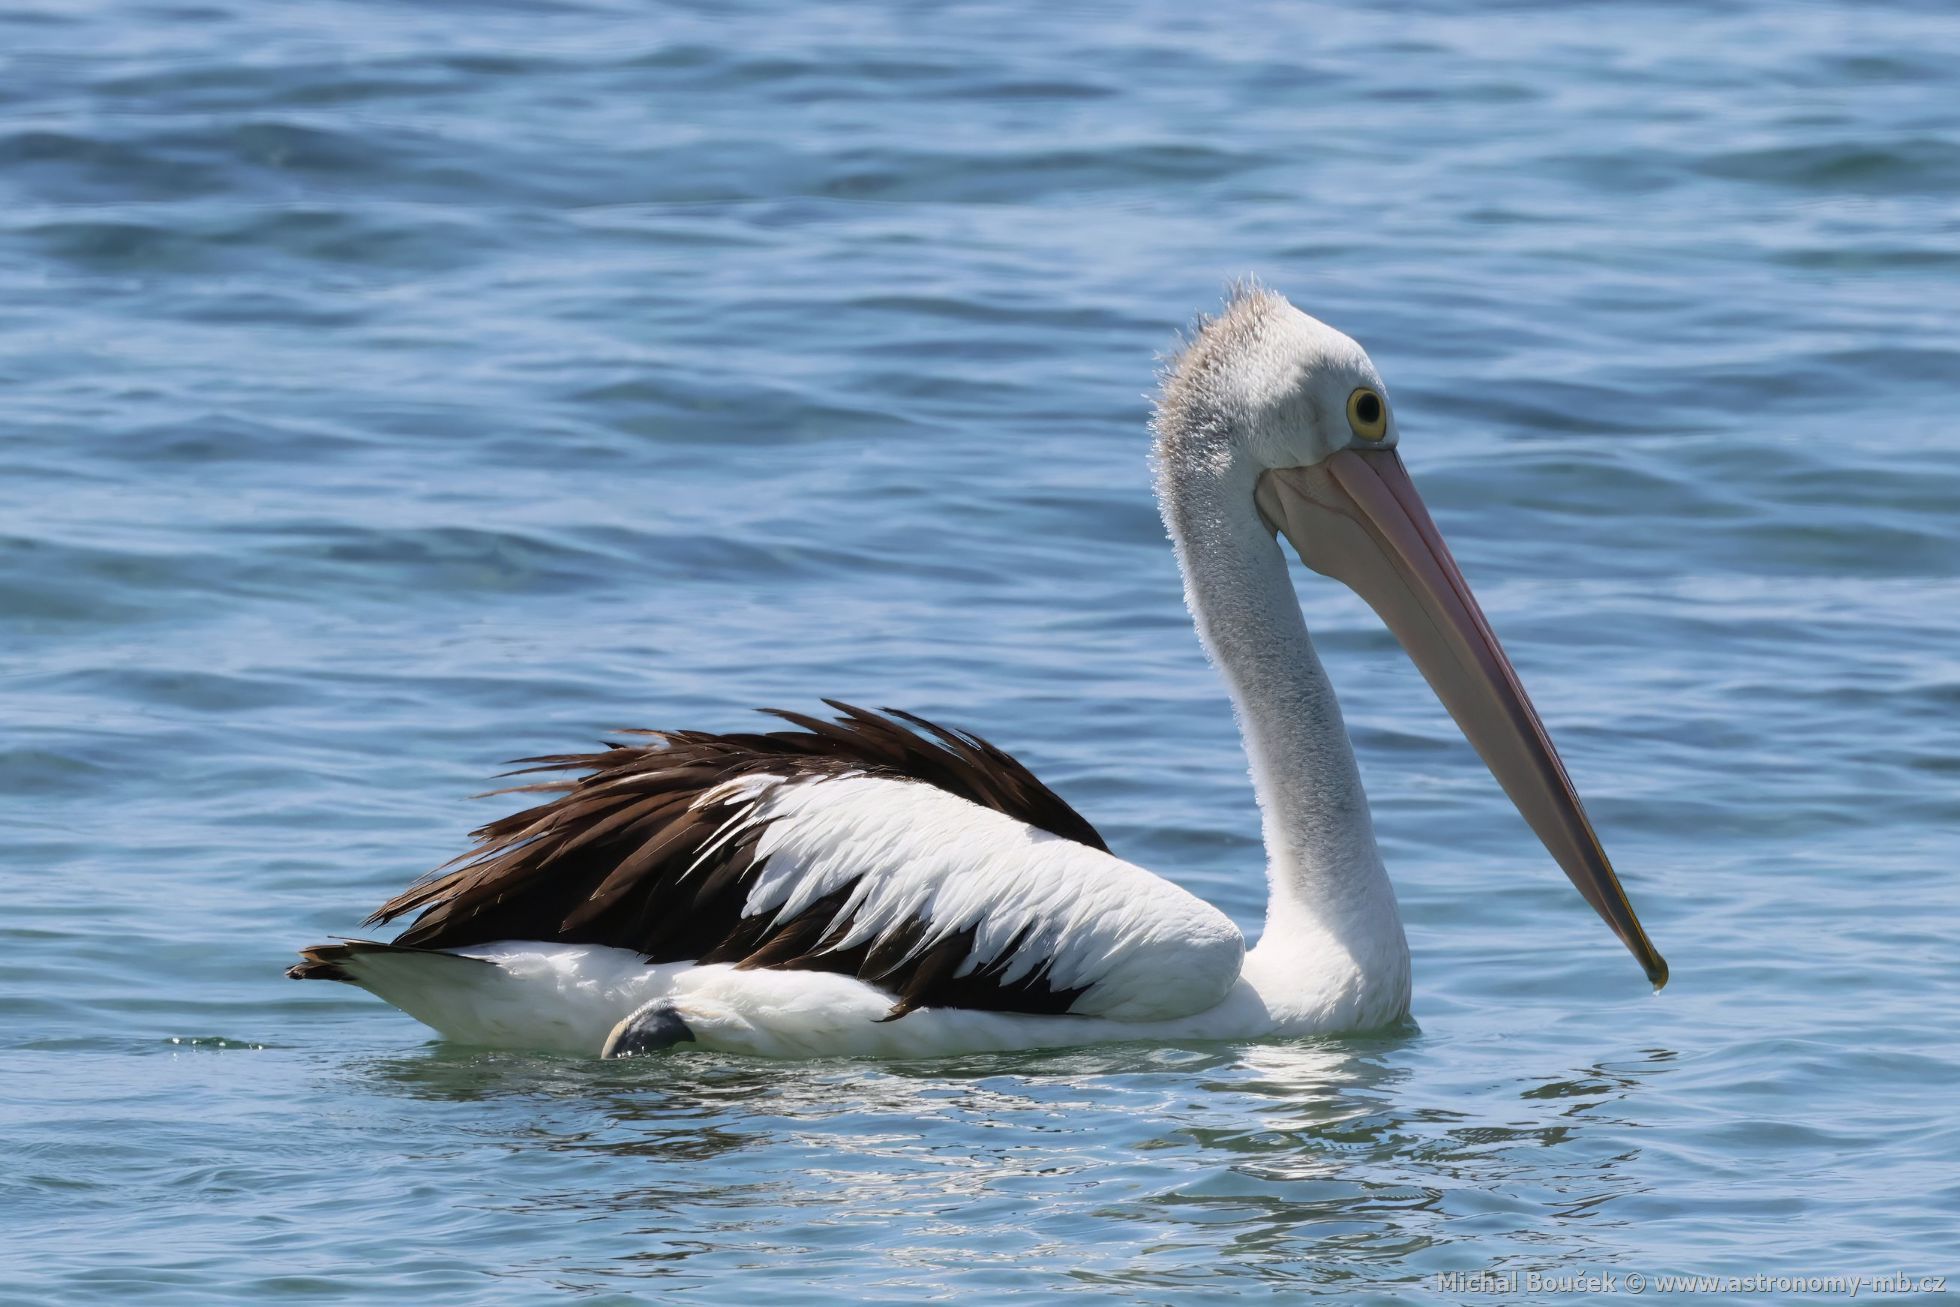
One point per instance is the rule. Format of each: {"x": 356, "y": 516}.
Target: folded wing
{"x": 923, "y": 861}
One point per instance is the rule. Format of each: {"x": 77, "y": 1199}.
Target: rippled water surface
{"x": 389, "y": 390}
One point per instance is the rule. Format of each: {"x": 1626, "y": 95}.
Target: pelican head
{"x": 1291, "y": 420}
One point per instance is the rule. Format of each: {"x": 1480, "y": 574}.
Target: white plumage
{"x": 1140, "y": 947}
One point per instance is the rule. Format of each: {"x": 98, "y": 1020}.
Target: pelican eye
{"x": 1367, "y": 414}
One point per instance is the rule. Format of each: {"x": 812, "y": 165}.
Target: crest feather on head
{"x": 1190, "y": 395}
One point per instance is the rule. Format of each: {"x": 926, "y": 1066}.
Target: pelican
{"x": 875, "y": 884}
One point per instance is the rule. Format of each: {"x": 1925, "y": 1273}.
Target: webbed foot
{"x": 652, "y": 1028}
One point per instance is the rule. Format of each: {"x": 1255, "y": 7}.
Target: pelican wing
{"x": 924, "y": 861}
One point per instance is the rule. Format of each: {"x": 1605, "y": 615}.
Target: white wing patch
{"x": 1138, "y": 946}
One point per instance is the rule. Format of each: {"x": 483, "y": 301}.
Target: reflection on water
{"x": 1306, "y": 1163}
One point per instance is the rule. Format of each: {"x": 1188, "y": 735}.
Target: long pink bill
{"x": 1357, "y": 518}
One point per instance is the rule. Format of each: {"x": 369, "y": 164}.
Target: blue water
{"x": 388, "y": 390}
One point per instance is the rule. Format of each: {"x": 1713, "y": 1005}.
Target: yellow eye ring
{"x": 1367, "y": 414}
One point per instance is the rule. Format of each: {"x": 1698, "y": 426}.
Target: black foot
{"x": 652, "y": 1028}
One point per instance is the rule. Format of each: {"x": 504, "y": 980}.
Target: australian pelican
{"x": 880, "y": 885}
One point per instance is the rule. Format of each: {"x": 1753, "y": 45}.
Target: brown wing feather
{"x": 624, "y": 854}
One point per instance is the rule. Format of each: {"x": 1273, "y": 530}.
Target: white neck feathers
{"x": 1330, "y": 906}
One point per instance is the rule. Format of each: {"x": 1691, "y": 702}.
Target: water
{"x": 386, "y": 391}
